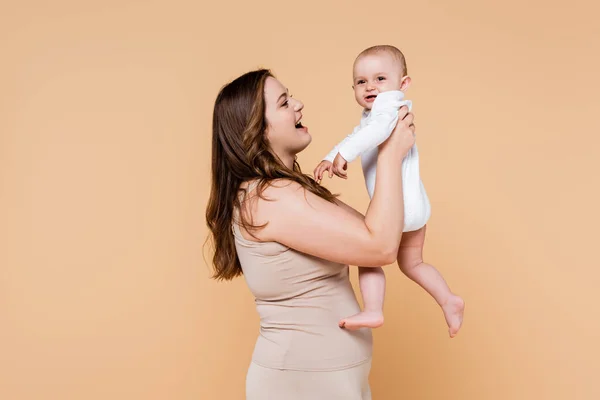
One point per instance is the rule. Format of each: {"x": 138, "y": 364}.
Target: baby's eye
{"x": 360, "y": 82}
{"x": 381, "y": 78}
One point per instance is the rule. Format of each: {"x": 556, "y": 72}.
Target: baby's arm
{"x": 379, "y": 127}
{"x": 327, "y": 164}
{"x": 331, "y": 155}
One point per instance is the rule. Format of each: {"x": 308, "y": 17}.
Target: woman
{"x": 293, "y": 240}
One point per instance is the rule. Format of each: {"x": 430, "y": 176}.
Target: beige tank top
{"x": 300, "y": 299}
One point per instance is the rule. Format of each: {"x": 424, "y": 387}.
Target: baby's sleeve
{"x": 378, "y": 128}
{"x": 331, "y": 155}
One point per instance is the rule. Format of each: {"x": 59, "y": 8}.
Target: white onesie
{"x": 374, "y": 128}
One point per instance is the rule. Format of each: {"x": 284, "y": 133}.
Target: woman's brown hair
{"x": 241, "y": 153}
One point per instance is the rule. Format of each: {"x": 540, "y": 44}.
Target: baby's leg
{"x": 410, "y": 260}
{"x": 372, "y": 287}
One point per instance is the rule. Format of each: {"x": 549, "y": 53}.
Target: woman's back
{"x": 300, "y": 299}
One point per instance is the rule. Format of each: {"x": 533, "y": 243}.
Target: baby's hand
{"x": 321, "y": 168}
{"x": 339, "y": 166}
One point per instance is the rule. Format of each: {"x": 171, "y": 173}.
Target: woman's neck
{"x": 287, "y": 160}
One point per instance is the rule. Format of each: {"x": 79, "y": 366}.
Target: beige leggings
{"x": 274, "y": 384}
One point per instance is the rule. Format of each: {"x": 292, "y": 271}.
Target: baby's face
{"x": 374, "y": 74}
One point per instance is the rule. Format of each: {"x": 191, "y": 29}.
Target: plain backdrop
{"x": 105, "y": 127}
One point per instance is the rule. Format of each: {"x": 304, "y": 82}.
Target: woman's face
{"x": 285, "y": 132}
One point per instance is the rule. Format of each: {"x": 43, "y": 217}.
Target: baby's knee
{"x": 409, "y": 259}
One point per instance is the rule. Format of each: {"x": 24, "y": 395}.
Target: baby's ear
{"x": 405, "y": 83}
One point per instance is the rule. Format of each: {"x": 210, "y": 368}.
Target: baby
{"x": 380, "y": 80}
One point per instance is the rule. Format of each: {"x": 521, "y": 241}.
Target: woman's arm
{"x": 305, "y": 222}
{"x": 349, "y": 209}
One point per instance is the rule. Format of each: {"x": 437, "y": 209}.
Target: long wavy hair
{"x": 240, "y": 153}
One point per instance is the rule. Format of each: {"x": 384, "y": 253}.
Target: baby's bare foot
{"x": 365, "y": 319}
{"x": 453, "y": 312}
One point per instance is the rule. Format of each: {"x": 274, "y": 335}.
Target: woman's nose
{"x": 298, "y": 105}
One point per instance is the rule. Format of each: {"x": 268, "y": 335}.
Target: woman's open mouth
{"x": 300, "y": 126}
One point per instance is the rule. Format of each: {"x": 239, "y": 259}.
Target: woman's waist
{"x": 315, "y": 312}
{"x": 312, "y": 346}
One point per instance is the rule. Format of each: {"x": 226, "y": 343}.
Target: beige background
{"x": 105, "y": 113}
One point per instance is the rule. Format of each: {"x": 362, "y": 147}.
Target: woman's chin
{"x": 303, "y": 133}
{"x": 306, "y": 140}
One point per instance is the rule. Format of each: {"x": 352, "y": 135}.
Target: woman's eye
{"x": 285, "y": 104}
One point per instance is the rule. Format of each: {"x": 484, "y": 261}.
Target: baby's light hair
{"x": 389, "y": 49}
